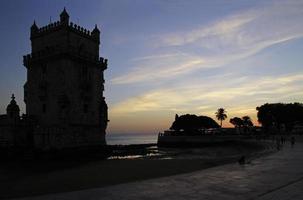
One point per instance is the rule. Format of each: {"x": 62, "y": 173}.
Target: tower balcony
{"x": 26, "y": 60}
{"x": 64, "y": 51}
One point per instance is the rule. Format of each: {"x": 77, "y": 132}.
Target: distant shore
{"x": 37, "y": 178}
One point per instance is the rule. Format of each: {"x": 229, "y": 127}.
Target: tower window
{"x": 44, "y": 69}
{"x": 85, "y": 108}
{"x": 43, "y": 108}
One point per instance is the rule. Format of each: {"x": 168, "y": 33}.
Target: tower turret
{"x": 34, "y": 29}
{"x": 96, "y": 33}
{"x": 64, "y": 17}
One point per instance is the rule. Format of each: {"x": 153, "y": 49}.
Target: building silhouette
{"x": 65, "y": 106}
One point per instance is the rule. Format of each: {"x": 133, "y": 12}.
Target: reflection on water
{"x": 135, "y": 152}
{"x": 154, "y": 152}
{"x": 143, "y": 146}
{"x": 125, "y": 157}
{"x": 127, "y": 139}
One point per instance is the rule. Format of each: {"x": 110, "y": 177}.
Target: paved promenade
{"x": 277, "y": 176}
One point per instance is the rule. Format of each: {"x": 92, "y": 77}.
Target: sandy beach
{"x": 20, "y": 179}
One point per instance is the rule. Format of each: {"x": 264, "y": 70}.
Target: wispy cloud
{"x": 194, "y": 98}
{"x": 174, "y": 65}
{"x": 220, "y": 29}
{"x": 153, "y": 57}
{"x": 227, "y": 40}
{"x": 240, "y": 96}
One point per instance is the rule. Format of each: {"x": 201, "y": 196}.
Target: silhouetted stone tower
{"x": 65, "y": 84}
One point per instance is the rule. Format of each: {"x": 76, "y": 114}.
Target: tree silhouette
{"x": 221, "y": 115}
{"x": 247, "y": 121}
{"x": 279, "y": 114}
{"x": 237, "y": 122}
{"x": 191, "y": 123}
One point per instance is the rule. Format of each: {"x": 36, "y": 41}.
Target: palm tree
{"x": 221, "y": 115}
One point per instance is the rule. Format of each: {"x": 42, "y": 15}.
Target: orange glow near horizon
{"x": 154, "y": 122}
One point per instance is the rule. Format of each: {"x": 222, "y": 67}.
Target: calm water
{"x": 211, "y": 153}
{"x": 132, "y": 138}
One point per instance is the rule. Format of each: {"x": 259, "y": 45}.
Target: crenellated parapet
{"x": 48, "y": 28}
{"x": 38, "y": 32}
{"x": 103, "y": 62}
{"x": 64, "y": 23}
{"x": 79, "y": 29}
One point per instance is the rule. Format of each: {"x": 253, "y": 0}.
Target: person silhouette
{"x": 241, "y": 161}
{"x": 278, "y": 144}
{"x": 292, "y": 141}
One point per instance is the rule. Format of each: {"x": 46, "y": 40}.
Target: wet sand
{"x": 36, "y": 178}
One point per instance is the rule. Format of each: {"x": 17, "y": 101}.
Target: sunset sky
{"x": 170, "y": 57}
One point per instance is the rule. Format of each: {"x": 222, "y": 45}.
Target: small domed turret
{"x": 34, "y": 28}
{"x": 13, "y": 110}
{"x": 96, "y": 33}
{"x": 96, "y": 30}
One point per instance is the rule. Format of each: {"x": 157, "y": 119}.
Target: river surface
{"x": 131, "y": 138}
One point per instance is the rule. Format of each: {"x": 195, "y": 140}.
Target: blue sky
{"x": 172, "y": 56}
